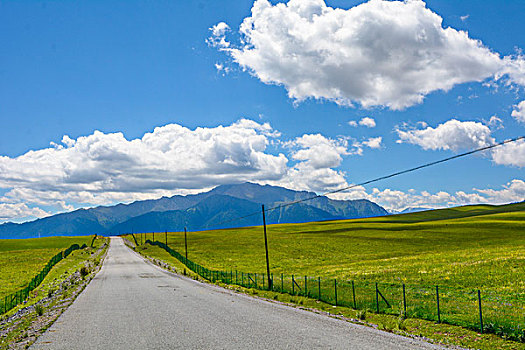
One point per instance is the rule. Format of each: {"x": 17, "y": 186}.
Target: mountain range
{"x": 218, "y": 208}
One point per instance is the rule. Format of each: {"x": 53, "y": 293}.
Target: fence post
{"x": 153, "y": 236}
{"x": 480, "y": 314}
{"x": 319, "y": 287}
{"x": 404, "y": 302}
{"x": 166, "y": 235}
{"x": 335, "y": 290}
{"x": 437, "y": 300}
{"x": 293, "y": 285}
{"x": 353, "y": 293}
{"x": 305, "y": 286}
{"x": 377, "y": 299}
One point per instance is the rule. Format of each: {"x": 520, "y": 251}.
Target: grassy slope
{"x": 470, "y": 247}
{"x": 21, "y": 259}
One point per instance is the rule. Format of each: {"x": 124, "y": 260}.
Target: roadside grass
{"x": 74, "y": 262}
{"x": 51, "y": 297}
{"x": 78, "y": 259}
{"x": 22, "y": 259}
{"x": 460, "y": 249}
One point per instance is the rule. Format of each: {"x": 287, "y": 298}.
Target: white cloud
{"x": 512, "y": 154}
{"x": 9, "y": 211}
{"x": 368, "y": 122}
{"x": 365, "y": 121}
{"x": 318, "y": 151}
{"x": 456, "y": 135}
{"x": 452, "y": 135}
{"x": 316, "y": 156}
{"x": 495, "y": 122}
{"x": 514, "y": 191}
{"x": 221, "y": 68}
{"x": 303, "y": 177}
{"x": 219, "y": 29}
{"x": 464, "y": 18}
{"x": 218, "y": 39}
{"x": 379, "y": 53}
{"x": 519, "y": 112}
{"x": 373, "y": 142}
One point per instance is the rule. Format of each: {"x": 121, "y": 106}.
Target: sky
{"x": 106, "y": 102}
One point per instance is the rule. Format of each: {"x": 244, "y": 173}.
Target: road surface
{"x": 132, "y": 304}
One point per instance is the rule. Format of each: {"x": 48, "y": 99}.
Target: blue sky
{"x": 73, "y": 68}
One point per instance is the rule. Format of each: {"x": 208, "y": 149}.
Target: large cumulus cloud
{"x": 379, "y": 53}
{"x": 170, "y": 157}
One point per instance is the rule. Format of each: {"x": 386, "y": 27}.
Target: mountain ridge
{"x": 176, "y": 209}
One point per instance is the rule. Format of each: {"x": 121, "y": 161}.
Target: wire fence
{"x": 13, "y": 299}
{"x": 484, "y": 311}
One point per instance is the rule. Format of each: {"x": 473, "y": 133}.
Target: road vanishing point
{"x": 133, "y": 304}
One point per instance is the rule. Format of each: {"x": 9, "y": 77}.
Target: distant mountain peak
{"x": 199, "y": 210}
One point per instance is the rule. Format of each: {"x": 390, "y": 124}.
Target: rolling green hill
{"x": 470, "y": 246}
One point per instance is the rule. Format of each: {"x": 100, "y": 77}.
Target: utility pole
{"x": 266, "y": 247}
{"x": 166, "y": 234}
{"x": 185, "y": 243}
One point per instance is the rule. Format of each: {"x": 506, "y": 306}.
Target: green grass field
{"x": 446, "y": 247}
{"x": 21, "y": 259}
{"x": 460, "y": 249}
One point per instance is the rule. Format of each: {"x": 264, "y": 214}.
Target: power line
{"x": 485, "y": 148}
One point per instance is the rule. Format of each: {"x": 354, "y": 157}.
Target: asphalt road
{"x": 132, "y": 304}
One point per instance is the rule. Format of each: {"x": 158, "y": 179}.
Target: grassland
{"x": 461, "y": 250}
{"x": 473, "y": 246}
{"x": 21, "y": 259}
{"x": 20, "y": 326}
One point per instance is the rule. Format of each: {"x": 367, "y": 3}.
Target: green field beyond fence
{"x": 10, "y": 301}
{"x": 480, "y": 310}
